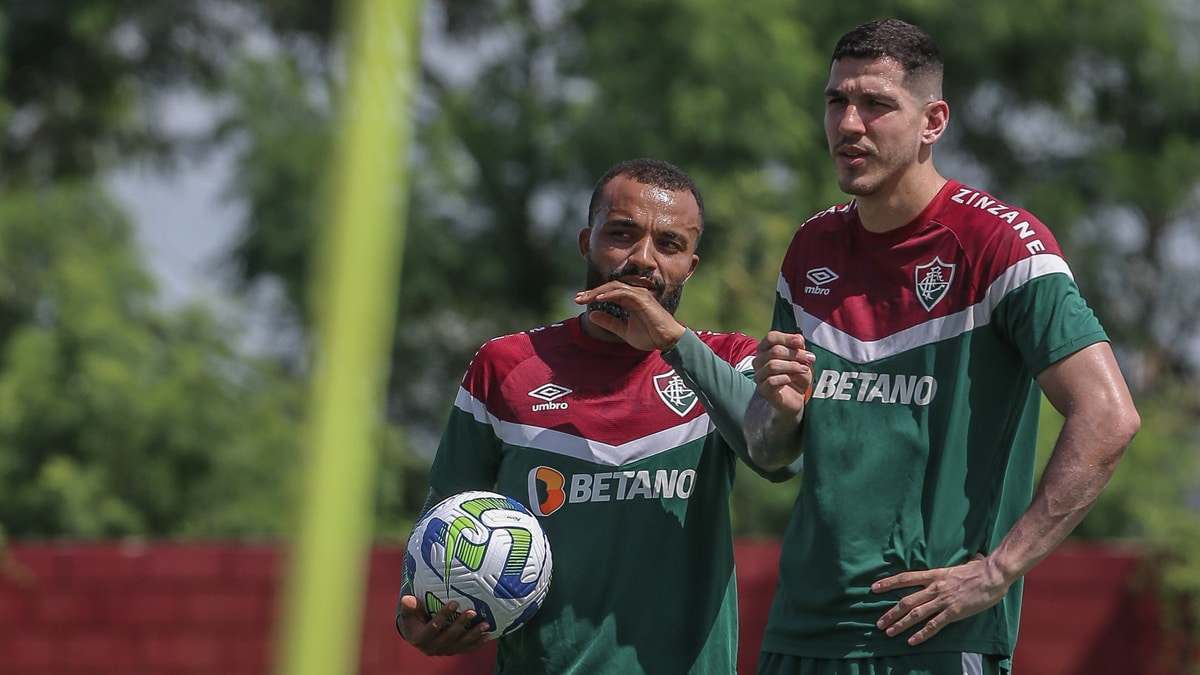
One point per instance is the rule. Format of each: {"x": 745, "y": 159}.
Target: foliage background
{"x": 123, "y": 416}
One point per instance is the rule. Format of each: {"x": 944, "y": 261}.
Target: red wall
{"x": 168, "y": 609}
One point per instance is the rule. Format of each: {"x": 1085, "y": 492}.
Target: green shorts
{"x": 934, "y": 663}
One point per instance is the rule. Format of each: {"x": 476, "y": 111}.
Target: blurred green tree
{"x": 78, "y": 80}
{"x": 117, "y": 418}
{"x": 121, "y": 417}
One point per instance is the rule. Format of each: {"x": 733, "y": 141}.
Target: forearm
{"x": 1084, "y": 459}
{"x": 723, "y": 390}
{"x": 772, "y": 437}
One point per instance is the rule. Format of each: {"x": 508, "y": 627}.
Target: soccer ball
{"x": 485, "y": 551}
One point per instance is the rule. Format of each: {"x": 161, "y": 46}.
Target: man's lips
{"x": 852, "y": 156}
{"x": 640, "y": 282}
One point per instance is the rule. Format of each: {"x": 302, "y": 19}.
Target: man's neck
{"x": 895, "y": 208}
{"x": 596, "y": 332}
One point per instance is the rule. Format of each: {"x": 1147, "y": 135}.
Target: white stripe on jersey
{"x": 860, "y": 351}
{"x": 570, "y": 445}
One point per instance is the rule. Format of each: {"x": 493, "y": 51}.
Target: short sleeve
{"x": 1047, "y": 320}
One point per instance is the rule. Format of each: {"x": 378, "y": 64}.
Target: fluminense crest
{"x": 933, "y": 281}
{"x": 675, "y": 393}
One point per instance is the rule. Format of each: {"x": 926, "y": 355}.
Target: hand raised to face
{"x": 648, "y": 326}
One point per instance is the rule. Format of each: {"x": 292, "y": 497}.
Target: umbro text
{"x": 549, "y": 405}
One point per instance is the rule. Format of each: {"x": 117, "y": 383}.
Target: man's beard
{"x": 885, "y": 167}
{"x": 667, "y": 297}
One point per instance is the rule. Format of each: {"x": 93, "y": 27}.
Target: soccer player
{"x": 915, "y": 329}
{"x": 619, "y": 428}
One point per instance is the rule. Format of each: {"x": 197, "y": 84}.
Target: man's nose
{"x": 641, "y": 255}
{"x": 851, "y": 122}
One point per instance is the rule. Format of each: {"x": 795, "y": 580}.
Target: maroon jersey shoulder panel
{"x": 874, "y": 285}
{"x": 993, "y": 234}
{"x": 557, "y": 378}
{"x": 732, "y": 347}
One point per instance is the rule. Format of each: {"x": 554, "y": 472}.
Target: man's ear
{"x": 585, "y": 241}
{"x": 692, "y": 270}
{"x": 937, "y": 117}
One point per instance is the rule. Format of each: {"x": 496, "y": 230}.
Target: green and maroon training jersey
{"x": 617, "y": 452}
{"x": 920, "y": 434}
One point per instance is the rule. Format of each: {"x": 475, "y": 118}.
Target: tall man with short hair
{"x": 915, "y": 329}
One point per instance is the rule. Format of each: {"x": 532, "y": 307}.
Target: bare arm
{"x": 1100, "y": 420}
{"x": 1088, "y": 390}
{"x": 783, "y": 375}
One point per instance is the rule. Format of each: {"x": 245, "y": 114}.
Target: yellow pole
{"x": 355, "y": 286}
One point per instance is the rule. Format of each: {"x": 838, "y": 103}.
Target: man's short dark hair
{"x": 652, "y": 172}
{"x": 903, "y": 42}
